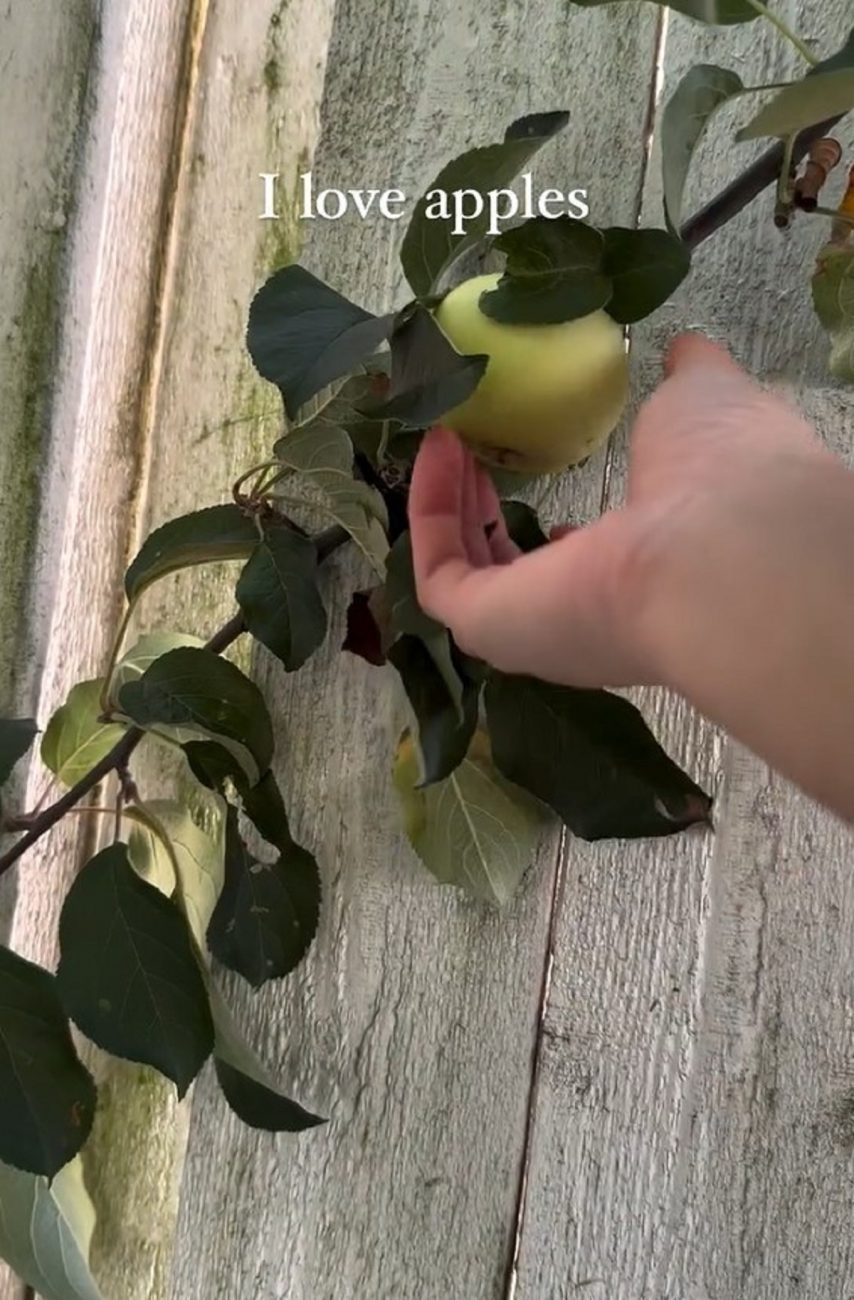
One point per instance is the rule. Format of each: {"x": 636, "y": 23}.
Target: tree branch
{"x": 326, "y": 543}
{"x": 746, "y": 187}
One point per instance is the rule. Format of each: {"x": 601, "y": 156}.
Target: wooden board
{"x": 691, "y": 1133}
{"x": 413, "y": 1021}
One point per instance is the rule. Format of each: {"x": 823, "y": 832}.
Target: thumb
{"x": 694, "y": 351}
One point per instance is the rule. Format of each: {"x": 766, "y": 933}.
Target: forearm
{"x": 759, "y": 634}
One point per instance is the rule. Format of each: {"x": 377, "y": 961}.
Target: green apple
{"x": 550, "y": 394}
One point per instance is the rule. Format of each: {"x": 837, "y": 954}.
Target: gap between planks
{"x": 562, "y": 857}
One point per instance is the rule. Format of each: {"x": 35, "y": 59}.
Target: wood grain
{"x": 413, "y": 1021}
{"x": 691, "y": 1135}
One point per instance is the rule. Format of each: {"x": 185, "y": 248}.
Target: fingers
{"x": 474, "y": 531}
{"x": 502, "y": 548}
{"x": 696, "y": 351}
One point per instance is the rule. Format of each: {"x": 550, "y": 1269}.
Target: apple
{"x": 550, "y": 394}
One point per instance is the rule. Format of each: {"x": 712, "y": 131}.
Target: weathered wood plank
{"x": 412, "y": 1022}
{"x": 107, "y": 301}
{"x": 692, "y": 1128}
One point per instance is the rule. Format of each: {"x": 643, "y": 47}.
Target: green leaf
{"x": 689, "y": 110}
{"x": 246, "y": 1083}
{"x": 833, "y": 298}
{"x": 826, "y": 91}
{"x": 217, "y": 533}
{"x": 407, "y": 618}
{"x": 590, "y": 756}
{"x": 367, "y": 626}
{"x": 16, "y": 736}
{"x": 303, "y": 334}
{"x": 553, "y": 273}
{"x": 128, "y": 976}
{"x": 200, "y": 696}
{"x": 430, "y": 244}
{"x": 195, "y": 853}
{"x": 523, "y": 525}
{"x": 443, "y": 738}
{"x": 645, "y": 267}
{"x": 720, "y": 12}
{"x": 46, "y": 1231}
{"x": 47, "y": 1097}
{"x": 323, "y": 460}
{"x": 428, "y": 375}
{"x": 75, "y": 739}
{"x": 143, "y": 653}
{"x": 267, "y": 913}
{"x": 264, "y": 806}
{"x": 474, "y": 830}
{"x": 278, "y": 594}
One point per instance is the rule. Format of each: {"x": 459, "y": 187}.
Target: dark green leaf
{"x": 267, "y": 913}
{"x": 591, "y": 757}
{"x": 246, "y": 1083}
{"x": 826, "y": 91}
{"x": 645, "y": 266}
{"x": 47, "y": 1097}
{"x": 367, "y": 626}
{"x": 279, "y": 595}
{"x": 16, "y": 736}
{"x": 428, "y": 376}
{"x": 707, "y": 11}
{"x": 523, "y": 525}
{"x": 406, "y": 617}
{"x": 203, "y": 697}
{"x": 303, "y": 334}
{"x": 46, "y": 1231}
{"x": 264, "y": 806}
{"x": 553, "y": 273}
{"x": 217, "y": 533}
{"x": 690, "y": 108}
{"x": 443, "y": 738}
{"x": 76, "y": 739}
{"x": 127, "y": 972}
{"x": 430, "y": 244}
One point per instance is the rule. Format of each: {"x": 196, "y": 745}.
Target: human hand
{"x": 714, "y": 461}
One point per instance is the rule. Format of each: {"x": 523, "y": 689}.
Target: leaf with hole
{"x": 322, "y": 461}
{"x": 200, "y": 696}
{"x": 473, "y": 830}
{"x": 833, "y": 299}
{"x": 428, "y": 375}
{"x": 688, "y": 112}
{"x": 46, "y": 1231}
{"x": 443, "y": 737}
{"x": 47, "y": 1096}
{"x": 721, "y": 12}
{"x": 247, "y": 1085}
{"x": 75, "y": 740}
{"x": 217, "y": 533}
{"x": 553, "y": 273}
{"x": 303, "y": 334}
{"x": 826, "y": 91}
{"x": 267, "y": 913}
{"x": 128, "y": 976}
{"x": 590, "y": 756}
{"x": 431, "y": 243}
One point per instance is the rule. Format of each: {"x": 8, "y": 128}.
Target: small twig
{"x": 750, "y": 184}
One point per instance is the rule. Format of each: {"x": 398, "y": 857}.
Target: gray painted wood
{"x": 691, "y": 1134}
{"x": 413, "y": 1021}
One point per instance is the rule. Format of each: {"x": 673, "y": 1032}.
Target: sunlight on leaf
{"x": 46, "y": 1231}
{"x": 75, "y": 739}
{"x": 833, "y": 298}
